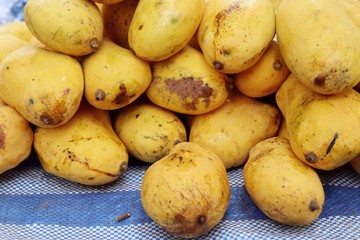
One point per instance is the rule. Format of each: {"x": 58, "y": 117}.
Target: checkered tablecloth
{"x": 37, "y": 205}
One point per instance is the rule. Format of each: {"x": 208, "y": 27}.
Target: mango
{"x": 285, "y": 189}
{"x": 44, "y": 86}
{"x": 16, "y": 138}
{"x": 232, "y": 129}
{"x": 72, "y": 27}
{"x": 234, "y": 34}
{"x": 114, "y": 77}
{"x": 186, "y": 192}
{"x": 319, "y": 42}
{"x": 159, "y": 29}
{"x": 185, "y": 83}
{"x": 323, "y": 129}
{"x": 85, "y": 150}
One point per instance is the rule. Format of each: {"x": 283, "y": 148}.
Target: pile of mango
{"x": 193, "y": 88}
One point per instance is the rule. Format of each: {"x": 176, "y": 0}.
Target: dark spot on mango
{"x": 66, "y": 91}
{"x": 218, "y": 65}
{"x": 123, "y": 167}
{"x": 100, "y": 95}
{"x": 94, "y": 44}
{"x": 46, "y": 119}
{"x": 122, "y": 97}
{"x": 31, "y": 101}
{"x": 2, "y": 137}
{"x": 189, "y": 87}
{"x": 320, "y": 81}
{"x": 277, "y": 64}
{"x": 313, "y": 206}
{"x": 141, "y": 26}
{"x": 201, "y": 220}
{"x": 311, "y": 157}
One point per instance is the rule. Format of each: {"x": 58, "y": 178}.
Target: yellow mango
{"x": 185, "y": 83}
{"x": 159, "y": 29}
{"x": 16, "y": 138}
{"x": 10, "y": 43}
{"x": 234, "y": 34}
{"x": 114, "y": 76}
{"x": 148, "y": 131}
{"x": 44, "y": 86}
{"x": 265, "y": 76}
{"x": 320, "y": 44}
{"x": 323, "y": 129}
{"x": 186, "y": 192}
{"x": 117, "y": 18}
{"x": 232, "y": 129}
{"x": 285, "y": 189}
{"x": 84, "y": 150}
{"x": 72, "y": 27}
{"x": 18, "y": 29}
{"x": 355, "y": 163}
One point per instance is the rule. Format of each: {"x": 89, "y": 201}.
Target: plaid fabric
{"x": 37, "y": 205}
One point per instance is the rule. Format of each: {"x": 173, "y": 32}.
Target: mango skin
{"x": 159, "y": 29}
{"x": 186, "y": 192}
{"x": 9, "y": 43}
{"x": 234, "y": 34}
{"x": 331, "y": 39}
{"x": 85, "y": 150}
{"x": 185, "y": 83}
{"x": 148, "y": 131}
{"x": 285, "y": 189}
{"x": 265, "y": 76}
{"x": 117, "y": 18}
{"x": 17, "y": 29}
{"x": 230, "y": 130}
{"x": 72, "y": 27}
{"x": 114, "y": 77}
{"x": 16, "y": 138}
{"x": 44, "y": 86}
{"x": 323, "y": 129}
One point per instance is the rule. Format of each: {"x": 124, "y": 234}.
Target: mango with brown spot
{"x": 44, "y": 86}
{"x": 319, "y": 41}
{"x": 185, "y": 83}
{"x": 323, "y": 129}
{"x": 85, "y": 150}
{"x": 114, "y": 77}
{"x": 234, "y": 34}
{"x": 186, "y": 192}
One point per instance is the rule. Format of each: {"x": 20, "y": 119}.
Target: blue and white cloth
{"x": 35, "y": 205}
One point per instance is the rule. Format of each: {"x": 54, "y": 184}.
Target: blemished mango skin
{"x": 233, "y": 128}
{"x": 185, "y": 83}
{"x": 294, "y": 195}
{"x": 44, "y": 86}
{"x": 234, "y": 34}
{"x": 84, "y": 150}
{"x": 186, "y": 192}
{"x": 319, "y": 42}
{"x": 323, "y": 129}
